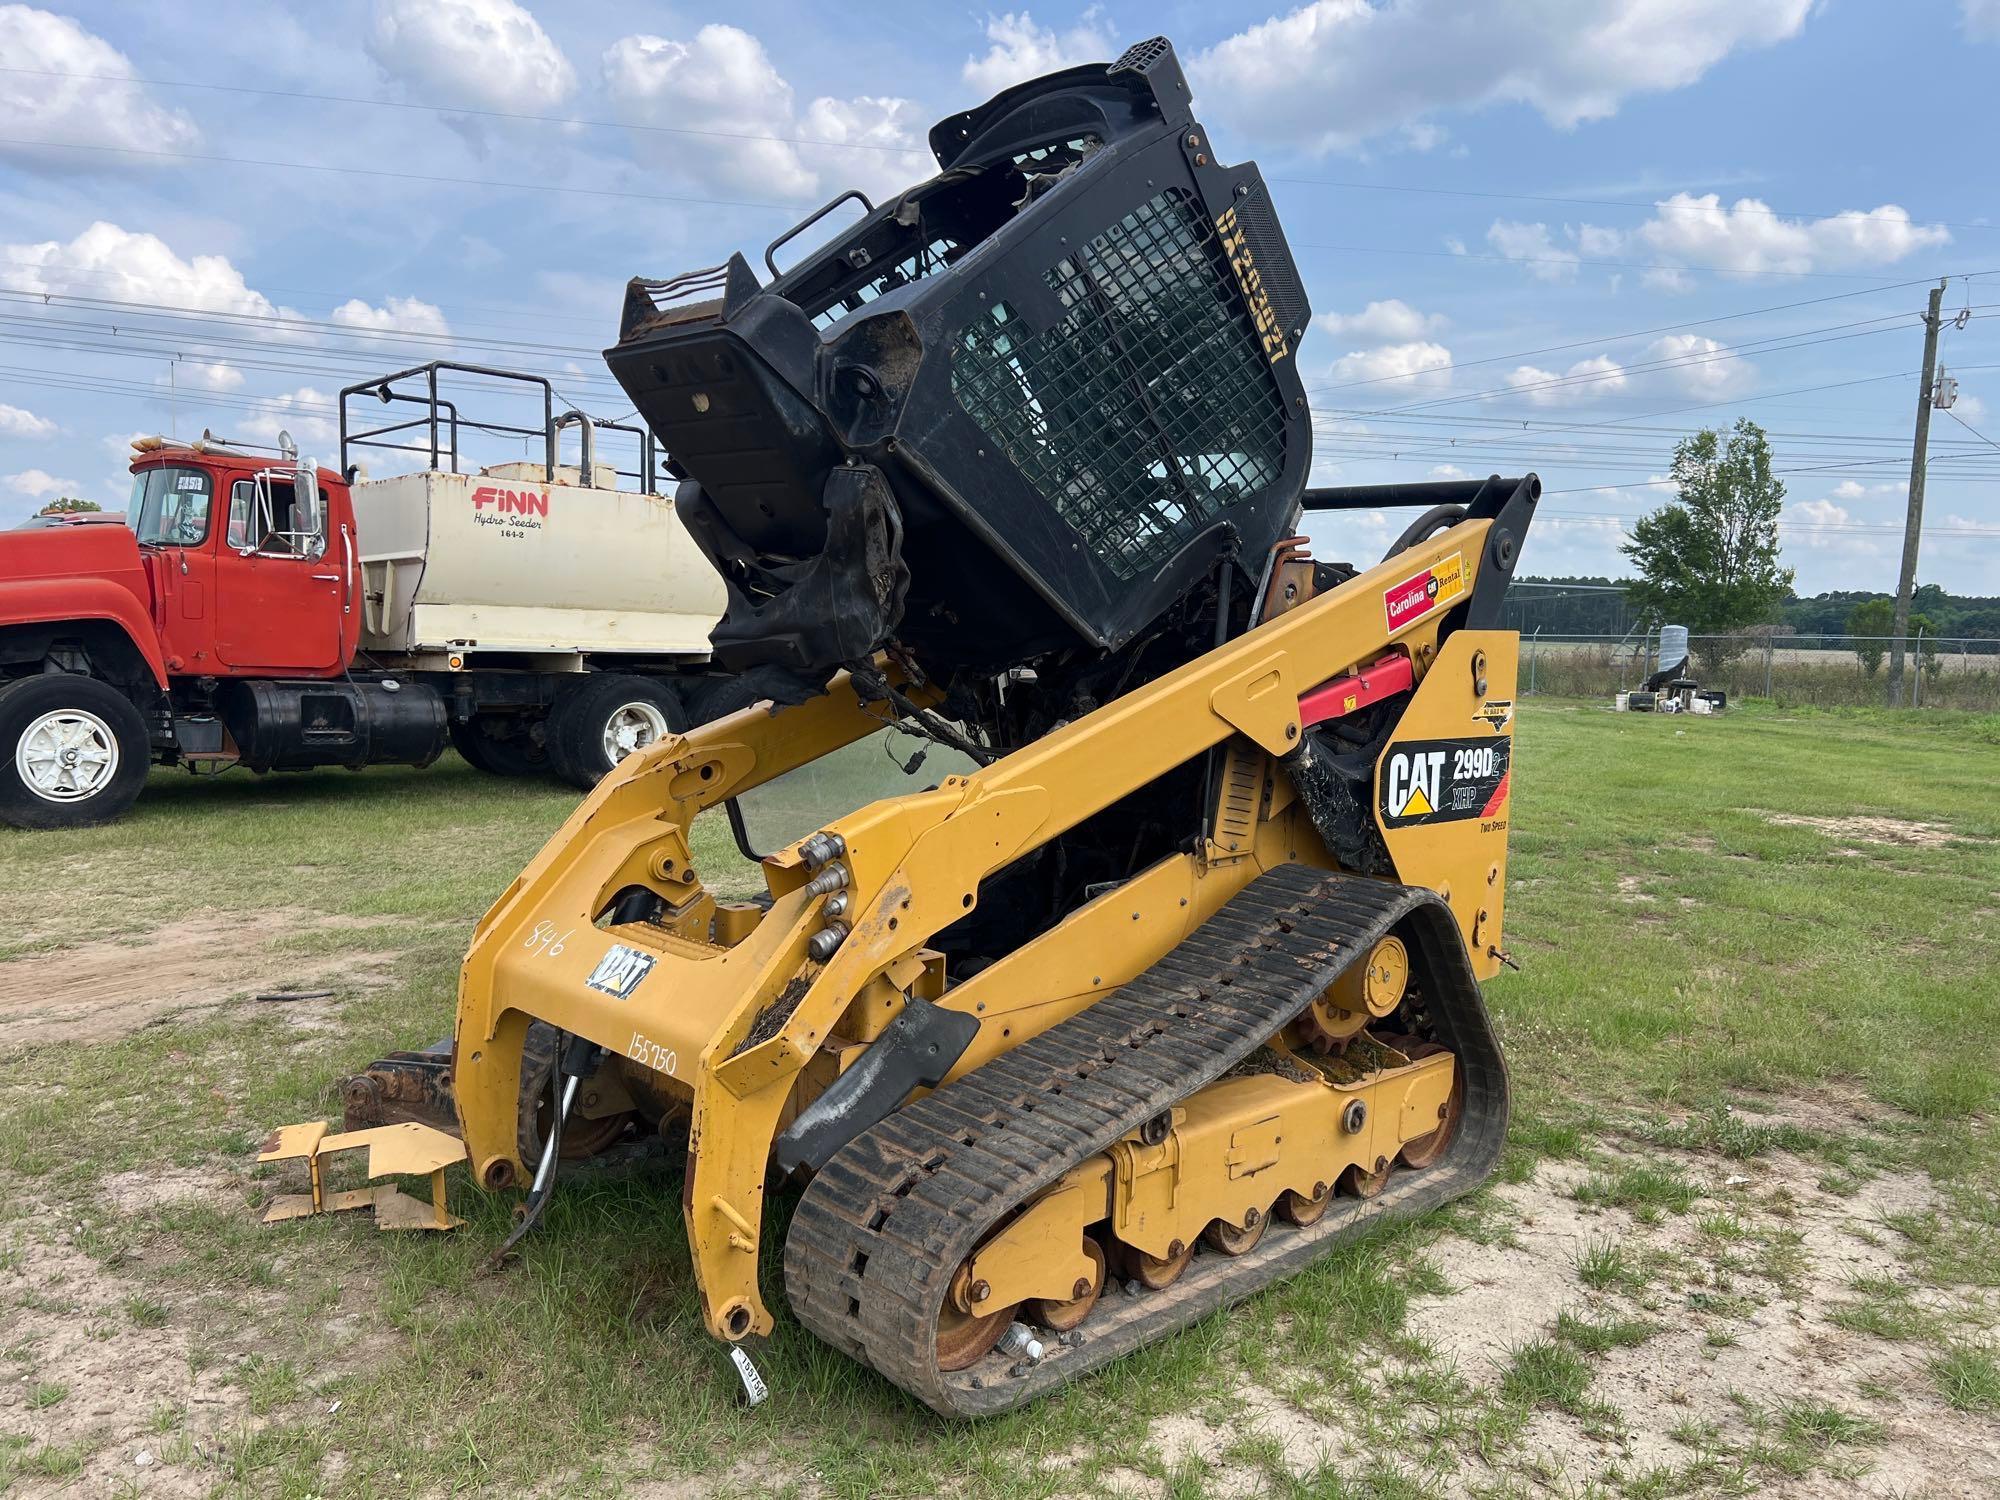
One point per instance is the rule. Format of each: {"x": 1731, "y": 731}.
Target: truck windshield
{"x": 169, "y": 507}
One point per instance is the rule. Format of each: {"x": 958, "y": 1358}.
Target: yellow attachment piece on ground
{"x": 408, "y": 1149}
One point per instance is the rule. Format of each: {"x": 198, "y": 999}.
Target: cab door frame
{"x": 278, "y": 604}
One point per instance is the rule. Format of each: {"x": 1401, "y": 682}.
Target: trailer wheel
{"x": 73, "y": 751}
{"x": 482, "y": 747}
{"x": 606, "y": 717}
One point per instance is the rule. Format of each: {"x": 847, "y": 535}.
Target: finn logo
{"x": 618, "y": 973}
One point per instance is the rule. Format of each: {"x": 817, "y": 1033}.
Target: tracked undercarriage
{"x": 1167, "y": 974}
{"x": 1169, "y": 1113}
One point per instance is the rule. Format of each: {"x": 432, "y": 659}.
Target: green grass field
{"x": 1755, "y": 1040}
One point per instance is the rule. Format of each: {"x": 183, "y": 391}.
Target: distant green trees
{"x": 1873, "y": 619}
{"x": 69, "y": 505}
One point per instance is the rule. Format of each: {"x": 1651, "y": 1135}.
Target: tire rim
{"x": 67, "y": 755}
{"x": 633, "y": 726}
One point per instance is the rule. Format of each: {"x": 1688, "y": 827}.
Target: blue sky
{"x": 1549, "y": 234}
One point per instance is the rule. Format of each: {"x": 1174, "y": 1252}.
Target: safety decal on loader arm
{"x": 1444, "y": 781}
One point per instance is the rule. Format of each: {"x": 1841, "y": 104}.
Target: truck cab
{"x": 116, "y": 640}
{"x": 250, "y": 565}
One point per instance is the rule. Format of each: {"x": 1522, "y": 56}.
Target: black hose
{"x": 1425, "y": 526}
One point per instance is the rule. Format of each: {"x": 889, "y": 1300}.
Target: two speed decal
{"x": 1443, "y": 781}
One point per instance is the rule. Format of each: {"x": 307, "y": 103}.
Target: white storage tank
{"x": 1673, "y": 647}
{"x": 506, "y": 561}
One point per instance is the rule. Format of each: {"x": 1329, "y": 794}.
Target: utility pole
{"x": 1913, "y": 525}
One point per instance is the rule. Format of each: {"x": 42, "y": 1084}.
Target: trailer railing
{"x": 434, "y": 432}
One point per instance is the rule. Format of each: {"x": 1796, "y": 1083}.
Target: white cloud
{"x": 1820, "y": 526}
{"x": 481, "y": 54}
{"x": 61, "y": 93}
{"x": 1700, "y": 368}
{"x": 1533, "y": 245}
{"x": 307, "y": 414}
{"x": 1820, "y": 513}
{"x": 18, "y": 422}
{"x": 1022, "y": 50}
{"x": 397, "y": 315}
{"x": 1981, "y": 18}
{"x": 725, "y": 79}
{"x": 201, "y": 375}
{"x": 1333, "y": 73}
{"x": 40, "y": 485}
{"x": 1693, "y": 232}
{"x": 107, "y": 261}
{"x": 1448, "y": 471}
{"x": 1392, "y": 319}
{"x": 1748, "y": 236}
{"x": 1849, "y": 489}
{"x": 1418, "y": 365}
{"x": 1586, "y": 380}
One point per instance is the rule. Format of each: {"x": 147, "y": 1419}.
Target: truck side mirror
{"x": 308, "y": 509}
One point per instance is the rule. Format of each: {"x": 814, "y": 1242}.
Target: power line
{"x": 1761, "y": 210}
{"x": 705, "y": 133}
{"x": 1777, "y": 344}
{"x": 69, "y": 274}
{"x": 1969, "y": 427}
{"x": 1640, "y": 333}
{"x": 1578, "y": 260}
{"x": 478, "y": 114}
{"x": 441, "y": 179}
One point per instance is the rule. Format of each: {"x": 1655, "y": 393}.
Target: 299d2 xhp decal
{"x": 1444, "y": 781}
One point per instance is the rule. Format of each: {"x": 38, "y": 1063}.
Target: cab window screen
{"x": 1148, "y": 409}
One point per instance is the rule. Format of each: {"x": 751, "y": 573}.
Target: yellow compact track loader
{"x": 1175, "y": 980}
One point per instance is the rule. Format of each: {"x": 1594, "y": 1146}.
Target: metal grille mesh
{"x": 1148, "y": 408}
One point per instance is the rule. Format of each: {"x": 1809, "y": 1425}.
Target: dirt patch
{"x": 1867, "y": 829}
{"x": 108, "y": 988}
{"x": 1631, "y": 888}
{"x": 1736, "y": 1300}
{"x": 86, "y": 1374}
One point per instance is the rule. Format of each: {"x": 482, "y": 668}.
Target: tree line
{"x": 1709, "y": 559}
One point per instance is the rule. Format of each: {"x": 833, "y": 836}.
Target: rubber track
{"x": 881, "y": 1229}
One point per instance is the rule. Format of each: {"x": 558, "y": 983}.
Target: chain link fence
{"x": 1792, "y": 670}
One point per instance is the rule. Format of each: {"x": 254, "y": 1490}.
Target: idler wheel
{"x": 1152, "y": 1272}
{"x": 1297, "y": 1208}
{"x": 1229, "y": 1239}
{"x": 1063, "y": 1316}
{"x": 1426, "y": 1149}
{"x": 1363, "y": 1184}
{"x": 965, "y": 1338}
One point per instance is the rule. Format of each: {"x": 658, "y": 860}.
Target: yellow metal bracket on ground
{"x": 408, "y": 1149}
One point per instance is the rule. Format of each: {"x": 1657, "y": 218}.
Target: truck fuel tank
{"x": 294, "y": 726}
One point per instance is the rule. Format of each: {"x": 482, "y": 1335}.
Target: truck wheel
{"x": 712, "y": 698}
{"x": 75, "y": 752}
{"x": 606, "y": 717}
{"x": 485, "y": 748}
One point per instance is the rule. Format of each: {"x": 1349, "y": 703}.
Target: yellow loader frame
{"x": 749, "y": 1032}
